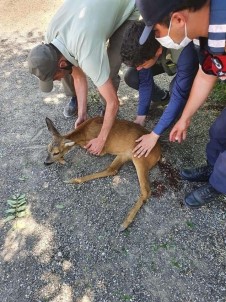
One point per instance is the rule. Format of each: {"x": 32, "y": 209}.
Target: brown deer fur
{"x": 120, "y": 142}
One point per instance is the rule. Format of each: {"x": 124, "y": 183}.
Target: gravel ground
{"x": 68, "y": 248}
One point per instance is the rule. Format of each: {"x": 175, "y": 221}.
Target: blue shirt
{"x": 187, "y": 67}
{"x": 217, "y": 24}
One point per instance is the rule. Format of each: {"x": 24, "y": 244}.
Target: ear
{"x": 69, "y": 144}
{"x": 62, "y": 62}
{"x": 51, "y": 127}
{"x": 179, "y": 18}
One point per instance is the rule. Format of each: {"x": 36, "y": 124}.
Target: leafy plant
{"x": 164, "y": 245}
{"x": 23, "y": 178}
{"x": 17, "y": 207}
{"x": 59, "y": 206}
{"x": 126, "y": 297}
{"x": 219, "y": 92}
{"x": 190, "y": 224}
{"x": 175, "y": 263}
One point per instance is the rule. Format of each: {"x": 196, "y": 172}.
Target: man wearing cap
{"x": 76, "y": 47}
{"x": 176, "y": 23}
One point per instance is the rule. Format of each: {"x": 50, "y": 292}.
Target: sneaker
{"x": 160, "y": 95}
{"x": 71, "y": 108}
{"x": 201, "y": 196}
{"x": 197, "y": 174}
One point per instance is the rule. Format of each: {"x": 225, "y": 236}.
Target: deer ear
{"x": 51, "y": 127}
{"x": 69, "y": 144}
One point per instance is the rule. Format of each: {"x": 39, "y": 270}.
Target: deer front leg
{"x": 142, "y": 172}
{"x": 109, "y": 171}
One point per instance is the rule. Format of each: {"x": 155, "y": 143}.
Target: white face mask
{"x": 168, "y": 42}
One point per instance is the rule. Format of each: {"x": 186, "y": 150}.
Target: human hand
{"x": 80, "y": 120}
{"x": 95, "y": 146}
{"x": 140, "y": 119}
{"x": 146, "y": 144}
{"x": 179, "y": 131}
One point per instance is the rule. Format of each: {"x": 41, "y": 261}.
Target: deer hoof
{"x": 122, "y": 228}
{"x": 72, "y": 181}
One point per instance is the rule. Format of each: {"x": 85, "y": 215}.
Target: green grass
{"x": 219, "y": 92}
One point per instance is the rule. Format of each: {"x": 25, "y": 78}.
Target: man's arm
{"x": 108, "y": 91}
{"x": 202, "y": 86}
{"x": 146, "y": 84}
{"x": 81, "y": 87}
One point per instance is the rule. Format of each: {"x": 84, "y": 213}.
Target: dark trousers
{"x": 216, "y": 152}
{"x": 131, "y": 78}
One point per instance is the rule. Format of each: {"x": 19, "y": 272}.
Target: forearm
{"x": 187, "y": 68}
{"x": 171, "y": 112}
{"x": 146, "y": 84}
{"x": 81, "y": 88}
{"x": 182, "y": 84}
{"x": 108, "y": 91}
{"x": 202, "y": 86}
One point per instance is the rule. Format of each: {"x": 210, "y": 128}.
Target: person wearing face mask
{"x": 175, "y": 23}
{"x": 151, "y": 59}
{"x": 168, "y": 42}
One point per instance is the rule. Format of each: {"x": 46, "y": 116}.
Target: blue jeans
{"x": 216, "y": 152}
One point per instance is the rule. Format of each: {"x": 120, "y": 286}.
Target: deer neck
{"x": 78, "y": 136}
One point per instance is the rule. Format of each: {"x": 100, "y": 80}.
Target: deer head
{"x": 58, "y": 147}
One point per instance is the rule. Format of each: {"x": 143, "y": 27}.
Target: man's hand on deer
{"x": 95, "y": 146}
{"x": 146, "y": 144}
{"x": 80, "y": 120}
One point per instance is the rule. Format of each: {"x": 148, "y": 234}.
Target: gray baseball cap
{"x": 43, "y": 63}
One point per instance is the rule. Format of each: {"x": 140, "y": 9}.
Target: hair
{"x": 59, "y": 55}
{"x": 191, "y": 5}
{"x": 133, "y": 54}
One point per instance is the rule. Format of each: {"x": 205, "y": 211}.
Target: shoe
{"x": 201, "y": 196}
{"x": 160, "y": 95}
{"x": 71, "y": 108}
{"x": 166, "y": 96}
{"x": 197, "y": 174}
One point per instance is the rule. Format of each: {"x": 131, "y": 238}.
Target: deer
{"x": 120, "y": 142}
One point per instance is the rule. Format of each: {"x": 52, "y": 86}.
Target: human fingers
{"x": 184, "y": 135}
{"x": 139, "y": 139}
{"x": 173, "y": 135}
{"x": 148, "y": 152}
{"x": 137, "y": 148}
{"x": 140, "y": 152}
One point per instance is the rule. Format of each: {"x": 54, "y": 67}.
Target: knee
{"x": 131, "y": 78}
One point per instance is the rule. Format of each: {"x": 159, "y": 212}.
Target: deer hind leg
{"x": 142, "y": 167}
{"x": 109, "y": 171}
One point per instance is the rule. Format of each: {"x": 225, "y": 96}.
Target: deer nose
{"x": 47, "y": 163}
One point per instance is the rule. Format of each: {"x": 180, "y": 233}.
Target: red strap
{"x": 214, "y": 64}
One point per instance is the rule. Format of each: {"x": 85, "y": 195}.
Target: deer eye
{"x": 56, "y": 153}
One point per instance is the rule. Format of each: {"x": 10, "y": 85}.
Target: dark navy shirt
{"x": 187, "y": 67}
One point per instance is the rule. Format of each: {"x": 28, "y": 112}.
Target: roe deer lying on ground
{"x": 120, "y": 142}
